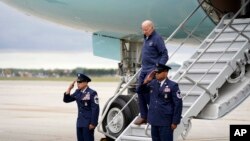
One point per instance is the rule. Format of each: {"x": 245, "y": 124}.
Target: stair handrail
{"x": 189, "y": 67}
{"x": 242, "y": 34}
{"x": 182, "y": 25}
{"x": 189, "y": 35}
{"x": 184, "y": 73}
{"x": 238, "y": 34}
{"x": 216, "y": 37}
{"x": 213, "y": 97}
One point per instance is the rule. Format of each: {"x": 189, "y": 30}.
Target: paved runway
{"x": 34, "y": 111}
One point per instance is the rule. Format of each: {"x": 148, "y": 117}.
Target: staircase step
{"x": 204, "y": 77}
{"x": 203, "y": 82}
{"x": 201, "y": 71}
{"x": 209, "y": 60}
{"x": 222, "y": 45}
{"x": 205, "y": 65}
{"x": 214, "y": 55}
{"x": 218, "y": 50}
{"x": 196, "y": 75}
{"x": 230, "y": 30}
{"x": 232, "y": 35}
{"x": 238, "y": 21}
{"x": 187, "y": 104}
{"x": 139, "y": 126}
{"x": 193, "y": 93}
{"x": 135, "y": 138}
{"x": 187, "y": 87}
{"x": 241, "y": 27}
{"x": 139, "y": 130}
{"x": 225, "y": 40}
{"x": 190, "y": 98}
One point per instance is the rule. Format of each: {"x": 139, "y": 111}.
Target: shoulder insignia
{"x": 96, "y": 99}
{"x": 178, "y": 94}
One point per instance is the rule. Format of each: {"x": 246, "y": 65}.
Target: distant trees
{"x": 95, "y": 72}
{"x": 56, "y": 73}
{"x": 10, "y": 72}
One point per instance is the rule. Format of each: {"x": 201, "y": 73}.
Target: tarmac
{"x": 34, "y": 111}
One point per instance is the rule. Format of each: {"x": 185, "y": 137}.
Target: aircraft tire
{"x": 128, "y": 114}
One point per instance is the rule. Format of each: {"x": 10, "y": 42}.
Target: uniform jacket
{"x": 165, "y": 102}
{"x": 153, "y": 52}
{"x": 88, "y": 106}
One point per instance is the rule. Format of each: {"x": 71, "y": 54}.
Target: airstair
{"x": 206, "y": 79}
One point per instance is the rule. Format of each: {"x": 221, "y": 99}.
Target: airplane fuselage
{"x": 113, "y": 17}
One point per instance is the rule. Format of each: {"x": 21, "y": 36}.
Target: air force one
{"x": 213, "y": 81}
{"x": 115, "y": 20}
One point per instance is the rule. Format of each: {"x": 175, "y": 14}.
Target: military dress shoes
{"x": 140, "y": 121}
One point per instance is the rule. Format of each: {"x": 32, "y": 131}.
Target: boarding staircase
{"x": 213, "y": 81}
{"x": 219, "y": 62}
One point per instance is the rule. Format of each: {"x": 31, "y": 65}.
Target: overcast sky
{"x": 30, "y": 42}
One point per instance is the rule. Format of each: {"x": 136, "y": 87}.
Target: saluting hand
{"x": 149, "y": 77}
{"x": 71, "y": 86}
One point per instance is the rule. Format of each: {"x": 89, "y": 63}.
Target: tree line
{"x": 12, "y": 72}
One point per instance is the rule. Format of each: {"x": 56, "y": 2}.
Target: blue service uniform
{"x": 88, "y": 112}
{"x": 153, "y": 52}
{"x": 165, "y": 108}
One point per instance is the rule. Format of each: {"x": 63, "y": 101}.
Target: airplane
{"x": 112, "y": 20}
{"x": 117, "y": 35}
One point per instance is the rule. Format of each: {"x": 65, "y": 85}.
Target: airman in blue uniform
{"x": 88, "y": 107}
{"x": 153, "y": 52}
{"x": 165, "y": 103}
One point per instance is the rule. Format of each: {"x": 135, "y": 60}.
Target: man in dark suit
{"x": 154, "y": 52}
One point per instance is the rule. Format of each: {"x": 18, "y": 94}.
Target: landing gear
{"x": 115, "y": 121}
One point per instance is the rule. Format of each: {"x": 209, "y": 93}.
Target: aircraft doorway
{"x": 216, "y": 9}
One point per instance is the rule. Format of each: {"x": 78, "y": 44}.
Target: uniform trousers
{"x": 84, "y": 134}
{"x": 161, "y": 133}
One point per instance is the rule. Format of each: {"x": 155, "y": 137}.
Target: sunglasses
{"x": 80, "y": 81}
{"x": 159, "y": 71}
